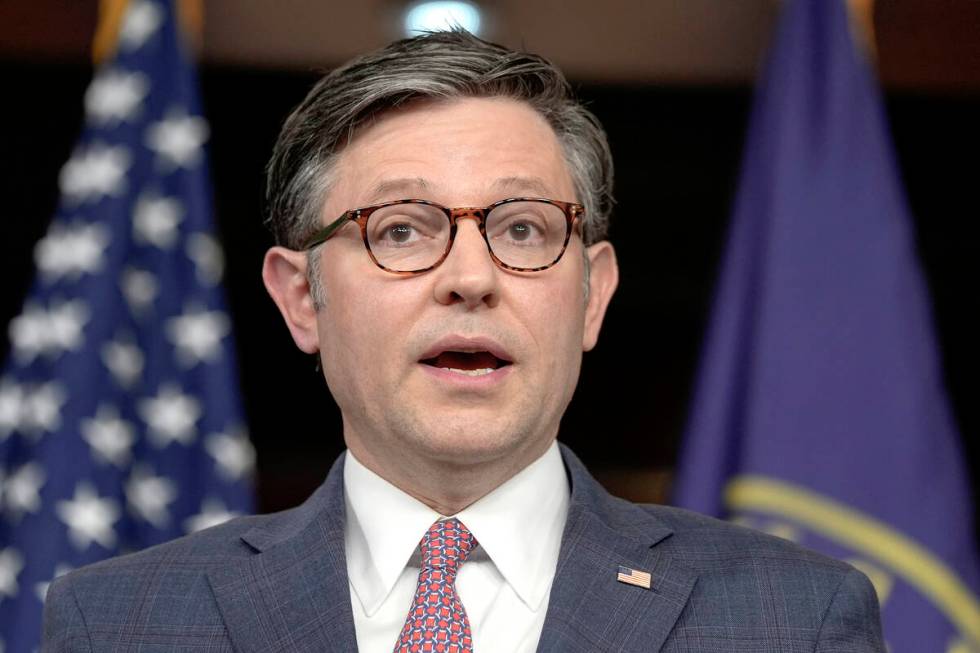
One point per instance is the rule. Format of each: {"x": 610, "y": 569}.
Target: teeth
{"x": 479, "y": 372}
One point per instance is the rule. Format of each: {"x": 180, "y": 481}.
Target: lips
{"x": 470, "y": 363}
{"x": 470, "y": 356}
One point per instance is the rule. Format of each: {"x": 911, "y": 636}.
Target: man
{"x": 451, "y": 338}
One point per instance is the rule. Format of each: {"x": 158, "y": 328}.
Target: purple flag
{"x": 121, "y": 424}
{"x": 820, "y": 413}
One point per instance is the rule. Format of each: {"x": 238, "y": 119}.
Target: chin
{"x": 467, "y": 441}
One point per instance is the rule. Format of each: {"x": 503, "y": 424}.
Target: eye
{"x": 521, "y": 231}
{"x": 407, "y": 226}
{"x": 397, "y": 231}
{"x": 525, "y": 229}
{"x": 400, "y": 233}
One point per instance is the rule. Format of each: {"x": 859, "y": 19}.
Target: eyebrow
{"x": 533, "y": 185}
{"x": 417, "y": 186}
{"x": 406, "y": 186}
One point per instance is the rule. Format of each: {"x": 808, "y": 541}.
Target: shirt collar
{"x": 518, "y": 525}
{"x": 384, "y": 527}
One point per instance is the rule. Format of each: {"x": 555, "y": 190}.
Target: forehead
{"x": 470, "y": 151}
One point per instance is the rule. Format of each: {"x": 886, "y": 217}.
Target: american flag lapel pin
{"x": 634, "y": 577}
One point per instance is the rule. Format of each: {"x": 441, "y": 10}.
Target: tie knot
{"x": 446, "y": 545}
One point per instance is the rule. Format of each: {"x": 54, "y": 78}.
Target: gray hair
{"x": 438, "y": 65}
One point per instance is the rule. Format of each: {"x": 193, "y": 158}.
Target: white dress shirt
{"x": 504, "y": 584}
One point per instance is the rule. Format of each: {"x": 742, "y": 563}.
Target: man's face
{"x": 402, "y": 355}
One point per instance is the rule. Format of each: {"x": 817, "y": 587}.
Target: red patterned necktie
{"x": 437, "y": 622}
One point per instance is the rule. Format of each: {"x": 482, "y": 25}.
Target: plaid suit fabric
{"x": 278, "y": 583}
{"x": 437, "y": 622}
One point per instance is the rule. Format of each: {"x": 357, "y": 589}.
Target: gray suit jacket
{"x": 279, "y": 583}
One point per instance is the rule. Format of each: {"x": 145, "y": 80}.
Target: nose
{"x": 468, "y": 276}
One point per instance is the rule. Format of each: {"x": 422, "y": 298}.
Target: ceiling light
{"x": 441, "y": 16}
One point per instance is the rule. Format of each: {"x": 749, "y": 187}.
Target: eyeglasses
{"x": 414, "y": 236}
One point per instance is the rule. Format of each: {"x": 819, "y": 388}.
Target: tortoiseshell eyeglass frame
{"x": 571, "y": 210}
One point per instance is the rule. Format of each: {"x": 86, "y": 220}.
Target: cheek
{"x": 560, "y": 318}
{"x": 556, "y": 321}
{"x": 355, "y": 346}
{"x": 358, "y": 330}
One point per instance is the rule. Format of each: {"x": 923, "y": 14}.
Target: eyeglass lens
{"x": 406, "y": 237}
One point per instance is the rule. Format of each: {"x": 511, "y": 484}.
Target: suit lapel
{"x": 589, "y": 610}
{"x": 294, "y": 594}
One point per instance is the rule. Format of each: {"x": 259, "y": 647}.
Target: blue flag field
{"x": 820, "y": 413}
{"x": 121, "y": 423}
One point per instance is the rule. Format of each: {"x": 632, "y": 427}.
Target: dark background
{"x": 677, "y": 150}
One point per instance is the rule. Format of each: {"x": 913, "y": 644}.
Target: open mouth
{"x": 470, "y": 363}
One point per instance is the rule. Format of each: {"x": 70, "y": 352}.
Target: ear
{"x": 603, "y": 279}
{"x": 284, "y": 274}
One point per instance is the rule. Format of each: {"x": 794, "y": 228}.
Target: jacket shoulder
{"x": 162, "y": 587}
{"x": 706, "y": 543}
{"x": 203, "y": 548}
{"x": 771, "y": 583}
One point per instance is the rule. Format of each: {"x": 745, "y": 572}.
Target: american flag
{"x": 120, "y": 420}
{"x": 633, "y": 577}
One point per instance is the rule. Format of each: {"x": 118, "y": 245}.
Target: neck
{"x": 446, "y": 487}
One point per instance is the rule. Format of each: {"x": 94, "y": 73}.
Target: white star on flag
{"x": 197, "y": 335}
{"x": 89, "y": 518}
{"x": 232, "y": 452}
{"x": 71, "y": 250}
{"x": 171, "y": 416}
{"x": 178, "y": 140}
{"x": 41, "y": 409}
{"x": 149, "y": 495}
{"x": 110, "y": 437}
{"x": 115, "y": 96}
{"x": 41, "y": 589}
{"x": 208, "y": 258}
{"x": 11, "y": 562}
{"x": 140, "y": 288}
{"x": 155, "y": 220}
{"x": 28, "y": 332}
{"x": 65, "y": 324}
{"x": 50, "y": 332}
{"x": 93, "y": 172}
{"x": 124, "y": 361}
{"x": 143, "y": 18}
{"x": 30, "y": 409}
{"x": 11, "y": 407}
{"x": 21, "y": 490}
{"x": 213, "y": 512}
